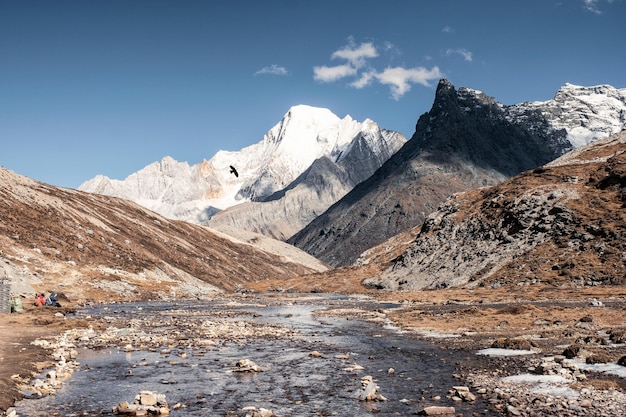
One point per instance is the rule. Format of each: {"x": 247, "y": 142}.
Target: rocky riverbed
{"x": 333, "y": 355}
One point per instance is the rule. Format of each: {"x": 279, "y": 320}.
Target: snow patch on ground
{"x": 504, "y": 352}
{"x": 605, "y": 368}
{"x": 436, "y": 335}
{"x": 554, "y": 385}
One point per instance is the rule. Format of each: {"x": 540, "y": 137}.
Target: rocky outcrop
{"x": 555, "y": 223}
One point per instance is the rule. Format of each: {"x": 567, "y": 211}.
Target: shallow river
{"x": 292, "y": 382}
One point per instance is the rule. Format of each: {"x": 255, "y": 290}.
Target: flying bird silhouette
{"x": 234, "y": 171}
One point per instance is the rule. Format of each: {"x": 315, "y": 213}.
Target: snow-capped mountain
{"x": 325, "y": 181}
{"x": 586, "y": 113}
{"x": 196, "y": 192}
{"x": 467, "y": 140}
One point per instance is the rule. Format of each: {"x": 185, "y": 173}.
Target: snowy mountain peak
{"x": 194, "y": 193}
{"x": 586, "y": 113}
{"x": 310, "y": 113}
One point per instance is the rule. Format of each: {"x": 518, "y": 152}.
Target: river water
{"x": 200, "y": 378}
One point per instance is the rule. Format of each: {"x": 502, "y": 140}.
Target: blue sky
{"x": 108, "y": 87}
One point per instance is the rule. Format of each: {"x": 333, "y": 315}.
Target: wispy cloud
{"x": 467, "y": 55}
{"x": 365, "y": 80}
{"x": 329, "y": 74}
{"x": 356, "y": 55}
{"x": 593, "y": 5}
{"x": 399, "y": 79}
{"x": 359, "y": 69}
{"x": 447, "y": 29}
{"x": 272, "y": 70}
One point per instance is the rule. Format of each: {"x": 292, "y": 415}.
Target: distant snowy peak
{"x": 194, "y": 193}
{"x": 586, "y": 113}
{"x": 306, "y": 131}
{"x": 303, "y": 135}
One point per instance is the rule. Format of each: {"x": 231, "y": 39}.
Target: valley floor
{"x": 560, "y": 329}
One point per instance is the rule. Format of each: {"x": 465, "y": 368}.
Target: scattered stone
{"x": 622, "y": 361}
{"x": 617, "y": 336}
{"x": 513, "y": 411}
{"x": 591, "y": 340}
{"x": 147, "y": 398}
{"x": 315, "y": 354}
{"x": 261, "y": 412}
{"x": 354, "y": 368}
{"x": 572, "y": 351}
{"x": 542, "y": 322}
{"x": 517, "y": 343}
{"x": 586, "y": 403}
{"x": 600, "y": 357}
{"x": 464, "y": 394}
{"x": 437, "y": 411}
{"x": 595, "y": 303}
{"x": 368, "y": 390}
{"x": 146, "y": 402}
{"x": 246, "y": 365}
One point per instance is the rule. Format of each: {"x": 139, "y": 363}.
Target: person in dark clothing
{"x": 53, "y": 300}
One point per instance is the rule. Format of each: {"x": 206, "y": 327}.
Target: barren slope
{"x": 81, "y": 244}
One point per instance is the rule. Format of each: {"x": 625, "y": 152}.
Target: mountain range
{"x": 280, "y": 166}
{"x": 562, "y": 224}
{"x": 467, "y": 140}
{"x": 336, "y": 187}
{"x": 482, "y": 195}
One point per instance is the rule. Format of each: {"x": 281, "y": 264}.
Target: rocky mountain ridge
{"x": 467, "y": 140}
{"x": 562, "y": 224}
{"x": 195, "y": 193}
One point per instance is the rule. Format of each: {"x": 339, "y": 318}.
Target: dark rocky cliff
{"x": 467, "y": 140}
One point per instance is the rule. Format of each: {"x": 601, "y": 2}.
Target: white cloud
{"x": 593, "y": 5}
{"x": 467, "y": 55}
{"x": 363, "y": 73}
{"x": 364, "y": 81}
{"x": 399, "y": 79}
{"x": 328, "y": 74}
{"x": 356, "y": 56}
{"x": 447, "y": 29}
{"x": 273, "y": 70}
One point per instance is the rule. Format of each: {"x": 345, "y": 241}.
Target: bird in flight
{"x": 234, "y": 171}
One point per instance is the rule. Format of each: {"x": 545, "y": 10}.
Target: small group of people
{"x": 52, "y": 300}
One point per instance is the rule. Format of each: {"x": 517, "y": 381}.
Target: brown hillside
{"x": 79, "y": 244}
